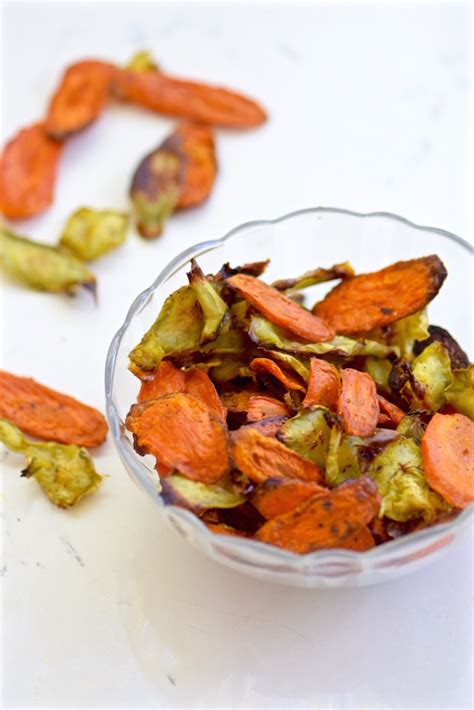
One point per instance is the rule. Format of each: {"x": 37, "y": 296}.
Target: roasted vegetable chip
{"x": 459, "y": 359}
{"x": 65, "y": 473}
{"x": 394, "y": 413}
{"x": 369, "y": 301}
{"x": 448, "y": 457}
{"x": 261, "y": 406}
{"x": 268, "y": 335}
{"x": 280, "y": 310}
{"x": 42, "y": 267}
{"x": 308, "y": 434}
{"x": 28, "y": 166}
{"x": 196, "y": 496}
{"x": 199, "y": 385}
{"x": 460, "y": 394}
{"x": 179, "y": 173}
{"x": 276, "y": 496}
{"x": 216, "y": 313}
{"x": 177, "y": 329}
{"x": 265, "y": 431}
{"x": 432, "y": 370}
{"x": 406, "y": 495}
{"x": 357, "y": 405}
{"x": 46, "y": 414}
{"x": 80, "y": 98}
{"x": 323, "y": 386}
{"x": 264, "y": 366}
{"x": 187, "y": 99}
{"x": 324, "y": 521}
{"x": 89, "y": 233}
{"x": 317, "y": 276}
{"x": 182, "y": 433}
{"x": 261, "y": 457}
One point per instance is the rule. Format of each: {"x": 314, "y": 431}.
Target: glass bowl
{"x": 296, "y": 243}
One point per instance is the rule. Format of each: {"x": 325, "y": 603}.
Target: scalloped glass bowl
{"x": 296, "y": 243}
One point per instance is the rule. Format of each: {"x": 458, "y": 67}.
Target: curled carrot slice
{"x": 166, "y": 379}
{"x": 80, "y": 98}
{"x": 263, "y": 365}
{"x": 324, "y": 521}
{"x": 368, "y": 301}
{"x": 261, "y": 457}
{"x": 187, "y": 99}
{"x": 280, "y": 309}
{"x": 324, "y": 384}
{"x": 261, "y": 406}
{"x": 182, "y": 433}
{"x": 276, "y": 496}
{"x": 394, "y": 413}
{"x": 200, "y": 386}
{"x": 46, "y": 414}
{"x": 448, "y": 457}
{"x": 358, "y": 406}
{"x": 28, "y": 173}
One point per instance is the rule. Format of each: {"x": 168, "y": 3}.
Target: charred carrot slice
{"x": 276, "y": 496}
{"x": 80, "y": 98}
{"x": 28, "y": 173}
{"x": 269, "y": 426}
{"x": 261, "y": 457}
{"x": 361, "y": 541}
{"x": 324, "y": 384}
{"x": 324, "y": 521}
{"x": 166, "y": 379}
{"x": 200, "y": 386}
{"x": 262, "y": 406}
{"x": 47, "y": 414}
{"x": 394, "y": 413}
{"x": 263, "y": 365}
{"x": 280, "y": 309}
{"x": 187, "y": 99}
{"x": 368, "y": 301}
{"x": 358, "y": 406}
{"x": 182, "y": 433}
{"x": 448, "y": 457}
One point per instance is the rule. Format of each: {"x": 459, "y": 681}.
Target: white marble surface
{"x": 103, "y": 606}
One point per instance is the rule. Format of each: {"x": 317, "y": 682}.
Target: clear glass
{"x": 296, "y": 243}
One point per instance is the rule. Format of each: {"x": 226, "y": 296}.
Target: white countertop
{"x": 102, "y": 605}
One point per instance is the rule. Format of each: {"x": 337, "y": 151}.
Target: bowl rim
{"x": 245, "y": 544}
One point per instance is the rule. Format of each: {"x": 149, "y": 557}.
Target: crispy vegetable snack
{"x": 179, "y": 173}
{"x": 89, "y": 233}
{"x": 281, "y": 310}
{"x": 80, "y": 98}
{"x": 265, "y": 430}
{"x": 323, "y": 386}
{"x": 215, "y": 106}
{"x": 369, "y": 301}
{"x": 182, "y": 433}
{"x": 358, "y": 405}
{"x": 261, "y": 457}
{"x": 65, "y": 473}
{"x": 28, "y": 166}
{"x": 448, "y": 457}
{"x": 46, "y": 414}
{"x": 276, "y": 496}
{"x": 42, "y": 267}
{"x": 325, "y": 520}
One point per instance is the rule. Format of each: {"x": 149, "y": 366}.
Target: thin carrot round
{"x": 448, "y": 457}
